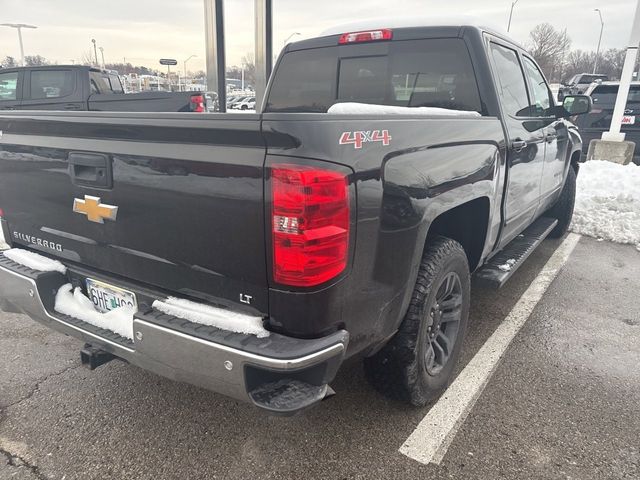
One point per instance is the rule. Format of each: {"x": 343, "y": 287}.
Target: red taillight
{"x": 367, "y": 36}
{"x": 1, "y": 213}
{"x": 197, "y": 104}
{"x": 310, "y": 224}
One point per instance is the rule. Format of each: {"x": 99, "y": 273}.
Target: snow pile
{"x": 212, "y": 316}
{"x": 608, "y": 202}
{"x": 34, "y": 261}
{"x": 75, "y": 304}
{"x": 348, "y": 108}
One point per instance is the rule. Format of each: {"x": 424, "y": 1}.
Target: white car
{"x": 248, "y": 103}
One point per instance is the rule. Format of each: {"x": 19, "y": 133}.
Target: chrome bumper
{"x": 239, "y": 374}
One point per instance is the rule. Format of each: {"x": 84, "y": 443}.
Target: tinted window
{"x": 99, "y": 82}
{"x": 540, "y": 94}
{"x": 512, "y": 87}
{"x": 115, "y": 83}
{"x": 304, "y": 82}
{"x": 8, "y": 86}
{"x": 606, "y": 94}
{"x": 431, "y": 73}
{"x": 52, "y": 83}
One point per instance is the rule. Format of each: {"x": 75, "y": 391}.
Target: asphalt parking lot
{"x": 564, "y": 403}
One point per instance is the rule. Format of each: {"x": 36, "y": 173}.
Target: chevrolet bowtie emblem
{"x": 94, "y": 210}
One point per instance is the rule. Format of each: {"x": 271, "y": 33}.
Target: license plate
{"x": 106, "y": 297}
{"x": 629, "y": 120}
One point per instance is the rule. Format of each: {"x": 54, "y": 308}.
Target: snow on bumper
{"x": 277, "y": 373}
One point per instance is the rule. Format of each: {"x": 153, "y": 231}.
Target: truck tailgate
{"x": 188, "y": 192}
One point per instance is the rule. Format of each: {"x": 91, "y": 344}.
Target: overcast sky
{"x": 142, "y": 31}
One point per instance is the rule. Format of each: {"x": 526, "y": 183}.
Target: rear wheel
{"x": 417, "y": 364}
{"x": 563, "y": 208}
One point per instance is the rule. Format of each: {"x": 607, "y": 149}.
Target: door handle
{"x": 518, "y": 145}
{"x": 71, "y": 106}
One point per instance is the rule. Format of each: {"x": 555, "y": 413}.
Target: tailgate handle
{"x": 90, "y": 170}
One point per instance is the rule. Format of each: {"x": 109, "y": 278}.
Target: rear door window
{"x": 52, "y": 84}
{"x": 415, "y": 73}
{"x": 9, "y": 86}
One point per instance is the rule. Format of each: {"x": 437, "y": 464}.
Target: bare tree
{"x": 578, "y": 61}
{"x": 249, "y": 66}
{"x": 549, "y": 47}
{"x": 35, "y": 61}
{"x": 87, "y": 58}
{"x": 9, "y": 62}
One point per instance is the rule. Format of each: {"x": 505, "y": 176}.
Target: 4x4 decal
{"x": 357, "y": 139}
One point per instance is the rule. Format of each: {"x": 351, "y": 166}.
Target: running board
{"x": 505, "y": 263}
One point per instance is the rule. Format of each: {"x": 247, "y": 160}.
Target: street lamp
{"x": 291, "y": 36}
{"x": 102, "y": 53}
{"x": 95, "y": 50}
{"x": 185, "y": 70}
{"x": 19, "y": 27}
{"x": 595, "y": 63}
{"x": 513, "y": 4}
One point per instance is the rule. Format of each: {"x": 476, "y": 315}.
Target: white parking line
{"x": 430, "y": 440}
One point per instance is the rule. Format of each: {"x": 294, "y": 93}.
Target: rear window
{"x": 606, "y": 94}
{"x": 102, "y": 82}
{"x": 416, "y": 73}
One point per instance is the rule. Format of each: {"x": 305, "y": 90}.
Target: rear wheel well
{"x": 467, "y": 224}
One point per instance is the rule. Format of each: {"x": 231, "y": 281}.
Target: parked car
{"x": 248, "y": 103}
{"x": 80, "y": 88}
{"x": 231, "y": 100}
{"x": 235, "y": 105}
{"x": 343, "y": 221}
{"x": 578, "y": 84}
{"x": 599, "y": 119}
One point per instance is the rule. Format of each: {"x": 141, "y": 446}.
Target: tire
{"x": 563, "y": 208}
{"x": 405, "y": 368}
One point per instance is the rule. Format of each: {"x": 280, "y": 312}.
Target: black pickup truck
{"x": 253, "y": 254}
{"x": 82, "y": 88}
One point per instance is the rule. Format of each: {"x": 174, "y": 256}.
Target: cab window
{"x": 541, "y": 100}
{"x": 9, "y": 86}
{"x": 52, "y": 84}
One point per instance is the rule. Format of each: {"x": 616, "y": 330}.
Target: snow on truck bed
{"x": 608, "y": 202}
{"x": 352, "y": 108}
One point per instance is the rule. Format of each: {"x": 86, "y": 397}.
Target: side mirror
{"x": 575, "y": 105}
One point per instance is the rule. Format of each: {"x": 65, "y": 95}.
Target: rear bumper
{"x": 278, "y": 373}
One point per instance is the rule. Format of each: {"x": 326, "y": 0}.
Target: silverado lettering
{"x": 38, "y": 241}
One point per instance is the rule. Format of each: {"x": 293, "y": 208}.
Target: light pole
{"x": 95, "y": 50}
{"x": 185, "y": 70}
{"x": 19, "y": 27}
{"x": 513, "y": 4}
{"x": 102, "y": 53}
{"x": 290, "y": 37}
{"x": 595, "y": 64}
